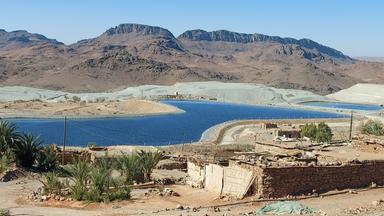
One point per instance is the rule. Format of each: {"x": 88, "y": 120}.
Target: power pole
{"x": 64, "y": 138}
{"x": 350, "y": 127}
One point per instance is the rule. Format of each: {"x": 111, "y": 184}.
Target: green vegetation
{"x": 309, "y": 130}
{"x": 8, "y": 136}
{"x": 323, "y": 133}
{"x": 320, "y": 133}
{"x": 46, "y": 159}
{"x": 26, "y": 150}
{"x": 3, "y": 164}
{"x": 373, "y": 128}
{"x": 52, "y": 184}
{"x": 95, "y": 183}
{"x": 89, "y": 182}
{"x": 5, "y": 212}
{"x": 130, "y": 168}
{"x": 79, "y": 174}
{"x": 148, "y": 161}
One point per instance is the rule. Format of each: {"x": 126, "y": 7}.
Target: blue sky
{"x": 355, "y": 27}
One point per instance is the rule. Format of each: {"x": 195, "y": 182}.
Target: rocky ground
{"x": 18, "y": 196}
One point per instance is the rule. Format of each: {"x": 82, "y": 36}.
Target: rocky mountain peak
{"x": 234, "y": 37}
{"x": 138, "y": 29}
{"x": 22, "y": 38}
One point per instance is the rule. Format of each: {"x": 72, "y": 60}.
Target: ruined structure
{"x": 242, "y": 178}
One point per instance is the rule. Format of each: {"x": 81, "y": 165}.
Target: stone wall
{"x": 284, "y": 181}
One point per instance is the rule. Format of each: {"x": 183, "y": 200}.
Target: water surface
{"x": 349, "y": 106}
{"x": 157, "y": 130}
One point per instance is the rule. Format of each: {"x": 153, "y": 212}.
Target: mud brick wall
{"x": 284, "y": 181}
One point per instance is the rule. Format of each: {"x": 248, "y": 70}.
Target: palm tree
{"x": 79, "y": 173}
{"x": 8, "y": 135}
{"x": 131, "y": 168}
{"x": 149, "y": 160}
{"x": 47, "y": 159}
{"x": 26, "y": 149}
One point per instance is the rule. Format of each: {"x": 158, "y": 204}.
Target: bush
{"x": 95, "y": 183}
{"x": 79, "y": 174}
{"x": 131, "y": 168}
{"x": 320, "y": 133}
{"x": 309, "y": 130}
{"x": 52, "y": 184}
{"x": 5, "y": 212}
{"x": 148, "y": 161}
{"x": 373, "y": 127}
{"x": 47, "y": 159}
{"x": 26, "y": 150}
{"x": 323, "y": 133}
{"x": 3, "y": 164}
{"x": 8, "y": 135}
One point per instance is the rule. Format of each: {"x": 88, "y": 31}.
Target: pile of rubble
{"x": 162, "y": 192}
{"x": 38, "y": 196}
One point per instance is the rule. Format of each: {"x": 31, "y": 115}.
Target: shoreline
{"x": 73, "y": 110}
{"x": 52, "y": 117}
{"x": 180, "y": 111}
{"x": 212, "y": 134}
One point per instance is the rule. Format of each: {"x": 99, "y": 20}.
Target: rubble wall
{"x": 284, "y": 181}
{"x": 237, "y": 181}
{"x": 196, "y": 175}
{"x": 214, "y": 178}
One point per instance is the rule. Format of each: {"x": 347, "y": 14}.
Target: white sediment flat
{"x": 361, "y": 93}
{"x": 242, "y": 93}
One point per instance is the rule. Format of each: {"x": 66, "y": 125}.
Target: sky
{"x": 355, "y": 27}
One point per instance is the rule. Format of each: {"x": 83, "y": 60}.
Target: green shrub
{"x": 8, "y": 135}
{"x": 320, "y": 133}
{"x": 26, "y": 149}
{"x": 95, "y": 183}
{"x": 131, "y": 169}
{"x": 3, "y": 164}
{"x": 52, "y": 183}
{"x": 46, "y": 159}
{"x": 5, "y": 212}
{"x": 373, "y": 127}
{"x": 309, "y": 130}
{"x": 323, "y": 133}
{"x": 100, "y": 181}
{"x": 148, "y": 161}
{"x": 79, "y": 174}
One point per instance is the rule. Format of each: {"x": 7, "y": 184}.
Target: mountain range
{"x": 135, "y": 54}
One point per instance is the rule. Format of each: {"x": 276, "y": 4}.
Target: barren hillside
{"x": 134, "y": 54}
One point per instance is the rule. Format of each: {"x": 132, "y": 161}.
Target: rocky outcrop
{"x": 139, "y": 29}
{"x": 123, "y": 61}
{"x": 228, "y": 36}
{"x": 21, "y": 38}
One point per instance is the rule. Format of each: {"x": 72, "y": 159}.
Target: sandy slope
{"x": 361, "y": 93}
{"x": 227, "y": 92}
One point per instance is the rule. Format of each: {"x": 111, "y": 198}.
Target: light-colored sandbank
{"x": 361, "y": 93}
{"x": 20, "y": 101}
{"x": 44, "y": 109}
{"x": 242, "y": 93}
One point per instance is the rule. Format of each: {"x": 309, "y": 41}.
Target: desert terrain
{"x": 40, "y": 109}
{"x": 240, "y": 167}
{"x": 136, "y": 54}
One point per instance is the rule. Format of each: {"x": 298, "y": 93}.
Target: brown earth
{"x": 131, "y": 54}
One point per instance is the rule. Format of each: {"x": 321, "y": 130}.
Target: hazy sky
{"x": 355, "y": 27}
